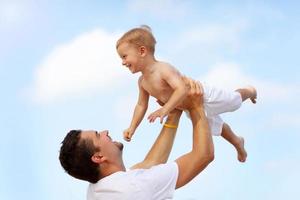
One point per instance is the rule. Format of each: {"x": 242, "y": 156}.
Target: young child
{"x": 162, "y": 81}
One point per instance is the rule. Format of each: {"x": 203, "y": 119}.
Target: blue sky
{"x": 59, "y": 71}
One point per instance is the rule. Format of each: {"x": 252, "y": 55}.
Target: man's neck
{"x": 108, "y": 169}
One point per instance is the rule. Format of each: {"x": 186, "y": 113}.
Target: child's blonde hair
{"x": 141, "y": 36}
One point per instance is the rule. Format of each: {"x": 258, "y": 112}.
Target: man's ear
{"x": 143, "y": 50}
{"x": 98, "y": 158}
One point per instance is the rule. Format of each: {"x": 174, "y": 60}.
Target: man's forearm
{"x": 202, "y": 139}
{"x": 160, "y": 150}
{"x": 192, "y": 163}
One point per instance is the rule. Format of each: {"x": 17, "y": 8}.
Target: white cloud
{"x": 230, "y": 75}
{"x": 165, "y": 9}
{"x": 86, "y": 63}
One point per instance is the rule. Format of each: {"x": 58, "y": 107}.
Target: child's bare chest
{"x": 157, "y": 87}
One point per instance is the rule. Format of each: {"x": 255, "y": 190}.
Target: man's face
{"x": 108, "y": 148}
{"x": 130, "y": 56}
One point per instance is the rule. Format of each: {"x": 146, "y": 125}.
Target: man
{"x": 94, "y": 157}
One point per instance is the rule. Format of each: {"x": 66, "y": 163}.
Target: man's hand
{"x": 161, "y": 113}
{"x": 127, "y": 134}
{"x": 195, "y": 87}
{"x": 195, "y": 95}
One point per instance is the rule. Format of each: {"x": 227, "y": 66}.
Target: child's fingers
{"x": 125, "y": 138}
{"x": 152, "y": 119}
{"x": 161, "y": 119}
{"x": 150, "y": 116}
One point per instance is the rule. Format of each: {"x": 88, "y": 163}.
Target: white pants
{"x": 217, "y": 101}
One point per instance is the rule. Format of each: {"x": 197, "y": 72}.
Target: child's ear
{"x": 143, "y": 50}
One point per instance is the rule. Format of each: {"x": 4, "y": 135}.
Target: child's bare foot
{"x": 240, "y": 147}
{"x": 253, "y": 93}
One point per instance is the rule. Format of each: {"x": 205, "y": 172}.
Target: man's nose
{"x": 104, "y": 132}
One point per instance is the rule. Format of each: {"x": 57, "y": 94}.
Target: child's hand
{"x": 161, "y": 113}
{"x": 127, "y": 134}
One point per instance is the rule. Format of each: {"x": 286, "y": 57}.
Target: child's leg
{"x": 248, "y": 93}
{"x": 236, "y": 141}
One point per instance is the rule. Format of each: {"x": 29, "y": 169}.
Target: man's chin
{"x": 119, "y": 145}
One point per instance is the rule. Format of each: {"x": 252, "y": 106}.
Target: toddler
{"x": 165, "y": 83}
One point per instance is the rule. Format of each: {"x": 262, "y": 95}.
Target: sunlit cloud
{"x": 87, "y": 63}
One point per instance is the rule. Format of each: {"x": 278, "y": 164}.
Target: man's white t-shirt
{"x": 156, "y": 183}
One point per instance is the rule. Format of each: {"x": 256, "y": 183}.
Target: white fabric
{"x": 156, "y": 183}
{"x": 217, "y": 101}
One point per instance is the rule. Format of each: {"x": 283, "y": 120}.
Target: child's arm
{"x": 180, "y": 90}
{"x": 139, "y": 112}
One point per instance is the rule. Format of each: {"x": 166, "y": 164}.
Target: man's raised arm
{"x": 192, "y": 163}
{"x": 160, "y": 150}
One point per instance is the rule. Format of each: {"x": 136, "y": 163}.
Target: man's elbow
{"x": 210, "y": 157}
{"x": 207, "y": 157}
{"x": 211, "y": 153}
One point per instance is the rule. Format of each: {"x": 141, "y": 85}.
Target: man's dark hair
{"x": 75, "y": 157}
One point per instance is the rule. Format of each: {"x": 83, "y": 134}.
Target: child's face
{"x": 130, "y": 56}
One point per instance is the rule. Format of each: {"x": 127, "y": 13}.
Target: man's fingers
{"x": 192, "y": 87}
{"x": 198, "y": 88}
